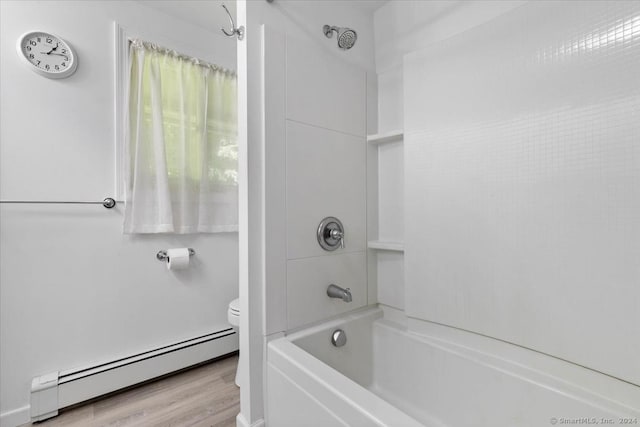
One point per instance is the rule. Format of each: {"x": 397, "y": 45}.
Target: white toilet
{"x": 233, "y": 316}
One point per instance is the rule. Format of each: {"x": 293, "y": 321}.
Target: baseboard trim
{"x": 242, "y": 422}
{"x": 73, "y": 386}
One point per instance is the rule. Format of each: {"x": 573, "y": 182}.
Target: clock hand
{"x": 49, "y": 53}
{"x": 60, "y": 54}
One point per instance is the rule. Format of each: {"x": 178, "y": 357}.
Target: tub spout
{"x": 334, "y": 291}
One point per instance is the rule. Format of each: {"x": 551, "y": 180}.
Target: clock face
{"x": 48, "y": 54}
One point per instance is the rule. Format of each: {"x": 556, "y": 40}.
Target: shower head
{"x": 346, "y": 36}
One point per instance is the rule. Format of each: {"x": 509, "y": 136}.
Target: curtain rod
{"x": 139, "y": 43}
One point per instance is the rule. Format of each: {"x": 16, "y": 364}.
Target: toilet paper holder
{"x": 162, "y": 255}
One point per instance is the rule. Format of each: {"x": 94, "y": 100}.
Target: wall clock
{"x": 47, "y": 54}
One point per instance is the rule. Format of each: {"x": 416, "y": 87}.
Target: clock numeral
{"x": 28, "y": 48}
{"x": 64, "y": 50}
{"x": 39, "y": 39}
{"x": 31, "y": 56}
{"x": 64, "y": 64}
{"x": 47, "y": 66}
{"x": 49, "y": 40}
{"x": 38, "y": 62}
{"x": 56, "y": 67}
{"x": 32, "y": 43}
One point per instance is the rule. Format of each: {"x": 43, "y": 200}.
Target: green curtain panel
{"x": 182, "y": 144}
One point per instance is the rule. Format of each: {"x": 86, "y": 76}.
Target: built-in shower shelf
{"x": 382, "y": 138}
{"x": 386, "y": 246}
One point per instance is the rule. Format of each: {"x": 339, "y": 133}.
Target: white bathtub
{"x": 404, "y": 373}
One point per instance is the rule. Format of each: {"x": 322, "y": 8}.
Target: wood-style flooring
{"x": 205, "y": 396}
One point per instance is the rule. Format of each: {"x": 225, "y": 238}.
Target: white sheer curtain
{"x": 182, "y": 176}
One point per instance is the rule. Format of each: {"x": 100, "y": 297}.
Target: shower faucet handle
{"x": 338, "y": 235}
{"x": 330, "y": 234}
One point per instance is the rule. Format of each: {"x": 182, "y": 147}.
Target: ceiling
{"x": 206, "y": 14}
{"x": 210, "y": 15}
{"x": 368, "y": 5}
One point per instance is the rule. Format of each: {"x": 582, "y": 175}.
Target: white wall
{"x": 523, "y": 182}
{"x": 74, "y": 290}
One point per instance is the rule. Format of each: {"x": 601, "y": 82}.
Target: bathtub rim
{"x": 580, "y": 383}
{"x": 285, "y": 356}
{"x": 563, "y": 376}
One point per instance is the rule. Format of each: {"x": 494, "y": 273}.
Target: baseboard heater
{"x": 56, "y": 390}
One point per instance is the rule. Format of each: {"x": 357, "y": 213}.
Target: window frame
{"x": 121, "y": 73}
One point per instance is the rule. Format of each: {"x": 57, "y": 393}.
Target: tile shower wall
{"x": 325, "y": 176}
{"x": 402, "y": 27}
{"x": 316, "y": 122}
{"x": 269, "y": 26}
{"x": 307, "y": 281}
{"x": 523, "y": 182}
{"x": 324, "y": 91}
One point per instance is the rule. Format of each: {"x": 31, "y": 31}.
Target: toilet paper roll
{"x": 177, "y": 258}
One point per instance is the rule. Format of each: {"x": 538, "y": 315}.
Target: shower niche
{"x": 385, "y": 160}
{"x": 385, "y": 211}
